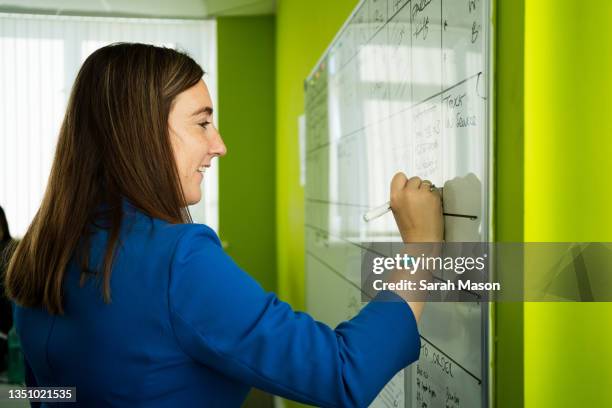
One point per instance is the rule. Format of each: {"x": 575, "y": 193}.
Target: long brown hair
{"x": 113, "y": 145}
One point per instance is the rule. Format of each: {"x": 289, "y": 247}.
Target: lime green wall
{"x": 247, "y": 216}
{"x": 508, "y": 211}
{"x": 568, "y": 78}
{"x": 304, "y": 30}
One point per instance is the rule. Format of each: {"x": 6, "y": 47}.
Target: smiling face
{"x": 194, "y": 138}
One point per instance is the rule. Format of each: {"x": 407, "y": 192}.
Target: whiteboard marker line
{"x": 386, "y": 207}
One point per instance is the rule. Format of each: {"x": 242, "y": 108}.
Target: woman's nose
{"x": 219, "y": 148}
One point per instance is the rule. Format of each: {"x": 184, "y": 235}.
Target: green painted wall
{"x": 304, "y": 30}
{"x": 508, "y": 211}
{"x": 568, "y": 78}
{"x": 246, "y": 83}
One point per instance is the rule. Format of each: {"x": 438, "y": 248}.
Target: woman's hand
{"x": 417, "y": 209}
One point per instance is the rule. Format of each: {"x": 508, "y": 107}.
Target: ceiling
{"x": 143, "y": 8}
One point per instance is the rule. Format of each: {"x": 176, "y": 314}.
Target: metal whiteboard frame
{"x": 487, "y": 339}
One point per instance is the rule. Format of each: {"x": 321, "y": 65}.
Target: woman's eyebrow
{"x": 207, "y": 109}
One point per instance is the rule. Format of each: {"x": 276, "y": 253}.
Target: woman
{"x": 124, "y": 298}
{"x": 6, "y": 313}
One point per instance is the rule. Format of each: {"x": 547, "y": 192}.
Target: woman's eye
{"x": 204, "y": 124}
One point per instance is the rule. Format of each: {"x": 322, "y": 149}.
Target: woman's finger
{"x": 413, "y": 182}
{"x": 398, "y": 182}
{"x": 426, "y": 184}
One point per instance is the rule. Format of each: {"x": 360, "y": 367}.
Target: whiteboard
{"x": 403, "y": 87}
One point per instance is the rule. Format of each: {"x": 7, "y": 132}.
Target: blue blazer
{"x": 187, "y": 327}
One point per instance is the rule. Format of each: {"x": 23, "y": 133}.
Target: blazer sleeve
{"x": 222, "y": 318}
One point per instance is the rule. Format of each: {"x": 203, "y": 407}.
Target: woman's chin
{"x": 194, "y": 198}
{"x": 193, "y": 202}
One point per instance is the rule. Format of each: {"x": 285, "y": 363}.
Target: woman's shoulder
{"x": 158, "y": 238}
{"x": 134, "y": 219}
{"x": 181, "y": 237}
{"x": 187, "y": 231}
